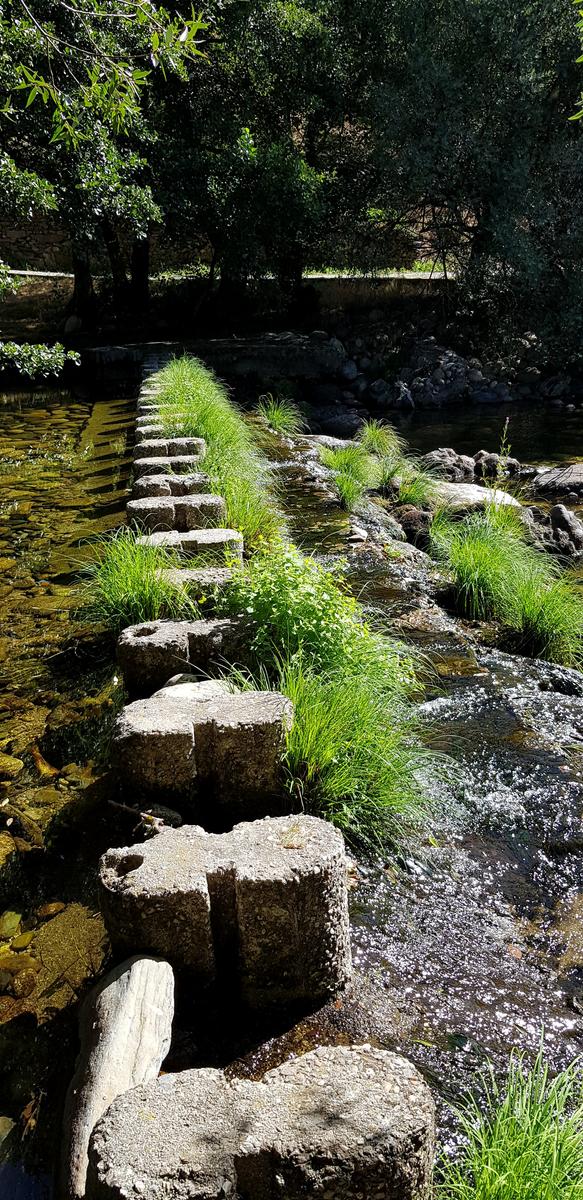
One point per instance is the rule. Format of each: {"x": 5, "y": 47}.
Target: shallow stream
{"x": 467, "y": 945}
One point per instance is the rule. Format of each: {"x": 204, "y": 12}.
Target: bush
{"x": 301, "y": 609}
{"x": 416, "y": 486}
{"x": 280, "y": 414}
{"x": 193, "y": 403}
{"x": 527, "y": 1145}
{"x": 36, "y": 361}
{"x": 127, "y": 585}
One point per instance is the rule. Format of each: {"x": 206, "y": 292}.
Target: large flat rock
{"x": 463, "y": 497}
{"x": 339, "y": 1122}
{"x": 558, "y": 481}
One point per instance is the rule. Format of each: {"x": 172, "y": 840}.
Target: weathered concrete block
{"x": 169, "y": 447}
{"x": 125, "y": 1027}
{"x": 147, "y": 430}
{"x": 181, "y": 463}
{"x": 199, "y": 579}
{"x": 200, "y": 737}
{"x": 171, "y": 485}
{"x": 150, "y": 653}
{"x": 211, "y": 544}
{"x": 181, "y": 513}
{"x": 264, "y": 907}
{"x": 339, "y": 1123}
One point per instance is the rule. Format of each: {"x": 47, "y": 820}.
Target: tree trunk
{"x": 140, "y": 285}
{"x": 116, "y": 261}
{"x": 82, "y": 302}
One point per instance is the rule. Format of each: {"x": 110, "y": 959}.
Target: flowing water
{"x": 468, "y": 944}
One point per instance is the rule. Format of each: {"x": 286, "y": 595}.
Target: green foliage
{"x": 280, "y": 414}
{"x": 416, "y": 486}
{"x": 354, "y": 471}
{"x": 380, "y": 439}
{"x": 127, "y": 584}
{"x": 192, "y": 402}
{"x": 498, "y": 576}
{"x": 353, "y": 753}
{"x": 36, "y": 361}
{"x": 301, "y": 609}
{"x": 526, "y": 1143}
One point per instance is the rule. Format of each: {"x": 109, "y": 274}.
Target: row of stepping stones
{"x": 259, "y": 907}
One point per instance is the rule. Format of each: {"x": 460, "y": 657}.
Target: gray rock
{"x": 558, "y": 531}
{"x": 150, "y": 653}
{"x": 187, "y": 464}
{"x": 183, "y": 447}
{"x": 182, "y": 513}
{"x": 340, "y": 1123}
{"x": 264, "y": 906}
{"x": 463, "y": 497}
{"x": 170, "y": 485}
{"x": 211, "y": 544}
{"x": 203, "y": 740}
{"x": 558, "y": 481}
{"x": 449, "y": 465}
{"x": 125, "y": 1027}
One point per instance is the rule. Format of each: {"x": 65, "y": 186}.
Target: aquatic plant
{"x": 193, "y": 403}
{"x": 524, "y": 1141}
{"x": 126, "y": 583}
{"x": 280, "y": 414}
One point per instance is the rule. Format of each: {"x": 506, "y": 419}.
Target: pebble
{"x": 50, "y": 910}
{"x": 24, "y": 983}
{"x": 9, "y": 923}
{"x": 22, "y": 941}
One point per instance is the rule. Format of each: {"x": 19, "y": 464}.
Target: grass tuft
{"x": 193, "y": 403}
{"x": 527, "y": 1144}
{"x": 126, "y": 584}
{"x": 498, "y": 576}
{"x": 380, "y": 439}
{"x": 354, "y": 471}
{"x": 280, "y": 414}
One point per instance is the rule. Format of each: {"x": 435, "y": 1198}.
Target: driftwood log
{"x": 125, "y": 1028}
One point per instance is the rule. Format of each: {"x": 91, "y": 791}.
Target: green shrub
{"x": 300, "y": 608}
{"x": 126, "y": 584}
{"x": 193, "y": 403}
{"x": 380, "y": 439}
{"x": 354, "y": 471}
{"x": 416, "y": 486}
{"x": 350, "y": 490}
{"x": 280, "y": 414}
{"x": 527, "y": 1144}
{"x": 549, "y": 620}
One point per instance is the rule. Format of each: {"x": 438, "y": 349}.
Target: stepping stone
{"x": 148, "y": 431}
{"x": 151, "y": 653}
{"x": 213, "y": 544}
{"x": 186, "y": 463}
{"x": 339, "y": 1123}
{"x": 199, "y": 580}
{"x": 201, "y": 740}
{"x": 181, "y": 513}
{"x": 262, "y": 909}
{"x": 169, "y": 447}
{"x": 171, "y": 485}
{"x": 145, "y": 408}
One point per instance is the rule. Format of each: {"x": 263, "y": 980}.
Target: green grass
{"x": 353, "y": 755}
{"x": 354, "y": 470}
{"x": 380, "y": 439}
{"x": 280, "y": 414}
{"x": 193, "y": 403}
{"x": 415, "y": 486}
{"x": 126, "y": 586}
{"x": 498, "y": 576}
{"x": 527, "y": 1144}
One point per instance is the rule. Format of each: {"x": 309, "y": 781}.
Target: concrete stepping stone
{"x": 181, "y": 513}
{"x": 171, "y": 485}
{"x": 338, "y": 1123}
{"x": 125, "y": 1029}
{"x": 151, "y": 653}
{"x": 169, "y": 447}
{"x": 148, "y": 431}
{"x": 173, "y": 465}
{"x": 199, "y": 581}
{"x": 262, "y": 909}
{"x": 200, "y": 740}
{"x": 213, "y": 544}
